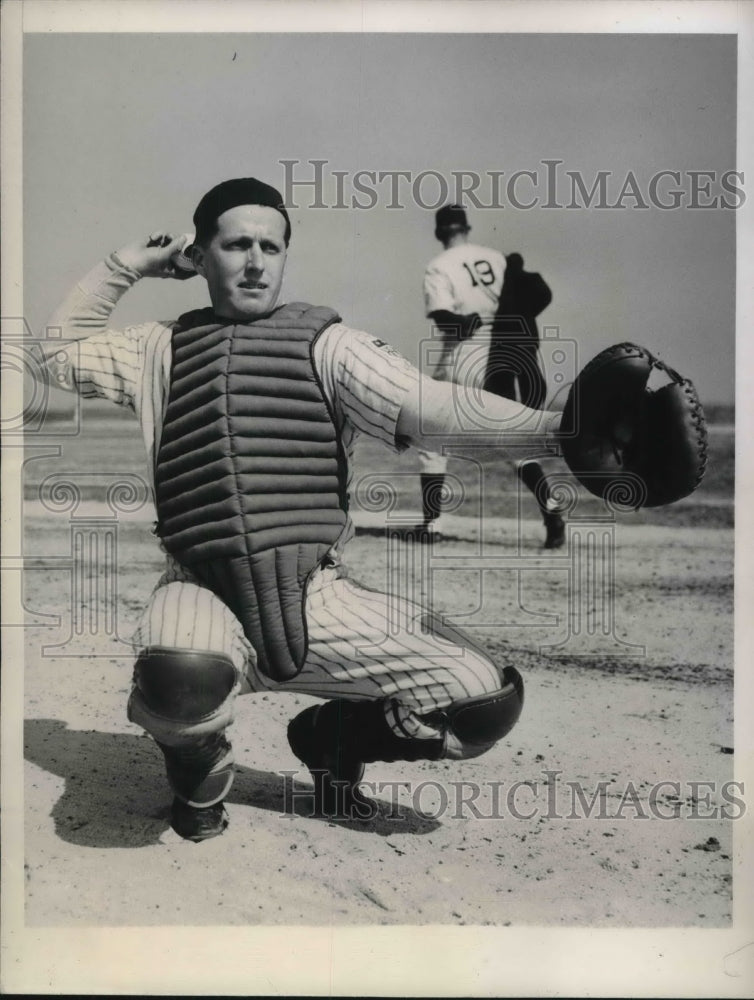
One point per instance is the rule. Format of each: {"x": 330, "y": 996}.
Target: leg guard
{"x": 184, "y": 698}
{"x": 200, "y": 774}
{"x": 478, "y": 723}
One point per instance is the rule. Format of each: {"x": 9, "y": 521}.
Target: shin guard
{"x": 184, "y": 699}
{"x": 479, "y": 722}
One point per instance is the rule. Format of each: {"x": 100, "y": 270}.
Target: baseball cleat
{"x": 338, "y": 799}
{"x": 196, "y": 824}
{"x": 336, "y": 781}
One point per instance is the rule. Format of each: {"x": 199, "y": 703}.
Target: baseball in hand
{"x": 180, "y": 265}
{"x": 182, "y": 262}
{"x": 154, "y": 256}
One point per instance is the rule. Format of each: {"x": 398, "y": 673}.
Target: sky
{"x": 123, "y": 133}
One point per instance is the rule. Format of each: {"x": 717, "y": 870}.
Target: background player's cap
{"x": 451, "y": 215}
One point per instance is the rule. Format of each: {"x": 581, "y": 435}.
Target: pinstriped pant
{"x": 362, "y": 645}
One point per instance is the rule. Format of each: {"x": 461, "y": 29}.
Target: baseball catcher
{"x": 249, "y": 410}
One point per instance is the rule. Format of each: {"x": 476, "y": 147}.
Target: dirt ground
{"x": 606, "y": 806}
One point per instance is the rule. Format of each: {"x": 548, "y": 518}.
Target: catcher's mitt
{"x": 626, "y": 442}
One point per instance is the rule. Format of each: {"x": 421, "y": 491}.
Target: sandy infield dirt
{"x": 586, "y": 814}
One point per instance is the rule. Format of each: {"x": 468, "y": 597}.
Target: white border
{"x": 379, "y": 961}
{"x": 458, "y": 16}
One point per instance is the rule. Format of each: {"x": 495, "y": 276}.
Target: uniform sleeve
{"x": 108, "y": 365}
{"x": 89, "y": 305}
{"x": 438, "y": 291}
{"x": 366, "y": 380}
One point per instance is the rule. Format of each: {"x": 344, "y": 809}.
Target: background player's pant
{"x": 362, "y": 645}
{"x": 434, "y": 495}
{"x": 432, "y": 483}
{"x": 432, "y": 464}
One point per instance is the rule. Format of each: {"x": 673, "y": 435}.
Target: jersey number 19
{"x": 482, "y": 273}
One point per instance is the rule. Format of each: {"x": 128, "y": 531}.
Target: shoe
{"x": 336, "y": 781}
{"x": 432, "y": 531}
{"x": 196, "y": 824}
{"x": 335, "y": 798}
{"x": 335, "y": 740}
{"x": 555, "y": 526}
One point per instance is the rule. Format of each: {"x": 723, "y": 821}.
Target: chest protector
{"x": 250, "y": 477}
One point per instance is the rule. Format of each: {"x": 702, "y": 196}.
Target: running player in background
{"x": 249, "y": 411}
{"x": 463, "y": 286}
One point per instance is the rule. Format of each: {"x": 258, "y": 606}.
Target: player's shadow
{"x": 412, "y": 533}
{"x": 116, "y": 794}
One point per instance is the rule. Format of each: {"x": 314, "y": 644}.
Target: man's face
{"x": 244, "y": 261}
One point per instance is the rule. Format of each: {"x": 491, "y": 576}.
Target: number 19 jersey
{"x": 465, "y": 279}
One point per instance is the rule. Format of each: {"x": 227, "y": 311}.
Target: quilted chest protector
{"x": 250, "y": 474}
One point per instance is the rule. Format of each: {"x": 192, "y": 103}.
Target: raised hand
{"x": 154, "y": 256}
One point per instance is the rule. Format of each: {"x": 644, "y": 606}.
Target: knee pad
{"x": 200, "y": 773}
{"x": 179, "y": 694}
{"x": 479, "y": 722}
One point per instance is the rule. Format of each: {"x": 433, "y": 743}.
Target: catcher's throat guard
{"x": 630, "y": 444}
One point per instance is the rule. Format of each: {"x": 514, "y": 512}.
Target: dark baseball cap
{"x": 451, "y": 215}
{"x": 230, "y": 194}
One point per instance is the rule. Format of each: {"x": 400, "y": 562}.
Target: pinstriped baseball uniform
{"x": 362, "y": 644}
{"x": 463, "y": 279}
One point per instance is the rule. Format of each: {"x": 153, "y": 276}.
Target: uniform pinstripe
{"x": 362, "y": 644}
